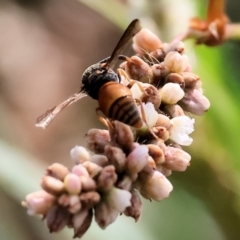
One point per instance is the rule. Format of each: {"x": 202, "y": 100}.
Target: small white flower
{"x": 136, "y": 91}
{"x": 171, "y": 93}
{"x": 119, "y": 199}
{"x": 150, "y": 113}
{"x": 176, "y": 62}
{"x": 182, "y": 127}
{"x": 124, "y": 78}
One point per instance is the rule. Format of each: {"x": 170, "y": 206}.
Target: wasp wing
{"x": 44, "y": 120}
{"x": 133, "y": 28}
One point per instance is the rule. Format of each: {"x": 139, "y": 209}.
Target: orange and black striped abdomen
{"x": 125, "y": 110}
{"x": 116, "y": 102}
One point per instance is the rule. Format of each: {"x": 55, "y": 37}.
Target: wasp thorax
{"x": 95, "y": 76}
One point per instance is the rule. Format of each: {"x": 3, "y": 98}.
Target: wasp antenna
{"x": 123, "y": 57}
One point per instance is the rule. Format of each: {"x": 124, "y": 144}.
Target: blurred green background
{"x": 45, "y": 45}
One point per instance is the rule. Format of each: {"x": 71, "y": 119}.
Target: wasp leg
{"x": 107, "y": 123}
{"x": 120, "y": 73}
{"x": 101, "y": 118}
{"x": 139, "y": 85}
{"x": 145, "y": 120}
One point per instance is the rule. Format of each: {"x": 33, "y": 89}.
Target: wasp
{"x": 100, "y": 82}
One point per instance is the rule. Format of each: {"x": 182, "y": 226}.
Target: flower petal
{"x": 150, "y": 113}
{"x": 182, "y": 126}
{"x": 119, "y": 199}
{"x": 157, "y": 187}
{"x": 171, "y": 93}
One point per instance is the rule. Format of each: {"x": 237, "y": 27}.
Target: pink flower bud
{"x": 57, "y": 218}
{"x": 39, "y": 202}
{"x": 123, "y": 134}
{"x": 151, "y": 94}
{"x": 106, "y": 179}
{"x": 105, "y": 215}
{"x": 79, "y": 154}
{"x": 125, "y": 183}
{"x": 99, "y": 159}
{"x": 175, "y": 78}
{"x": 176, "y": 159}
{"x": 52, "y": 185}
{"x": 89, "y": 199}
{"x": 174, "y": 110}
{"x": 158, "y": 71}
{"x": 138, "y": 69}
{"x": 81, "y": 222}
{"x": 80, "y": 170}
{"x": 146, "y": 41}
{"x": 97, "y": 139}
{"x": 161, "y": 132}
{"x": 159, "y": 53}
{"x": 137, "y": 159}
{"x": 151, "y": 163}
{"x": 92, "y": 168}
{"x": 116, "y": 157}
{"x": 190, "y": 79}
{"x": 72, "y": 184}
{"x": 195, "y": 102}
{"x": 70, "y": 202}
{"x": 157, "y": 187}
{"x": 163, "y": 121}
{"x": 165, "y": 171}
{"x": 88, "y": 184}
{"x": 156, "y": 153}
{"x": 57, "y": 170}
{"x": 176, "y": 46}
{"x": 135, "y": 209}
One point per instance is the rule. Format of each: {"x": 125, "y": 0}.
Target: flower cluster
{"x": 122, "y": 163}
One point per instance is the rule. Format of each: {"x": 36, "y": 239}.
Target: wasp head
{"x": 95, "y": 76}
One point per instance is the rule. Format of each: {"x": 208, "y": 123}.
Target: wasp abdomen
{"x": 116, "y": 102}
{"x": 124, "y": 109}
